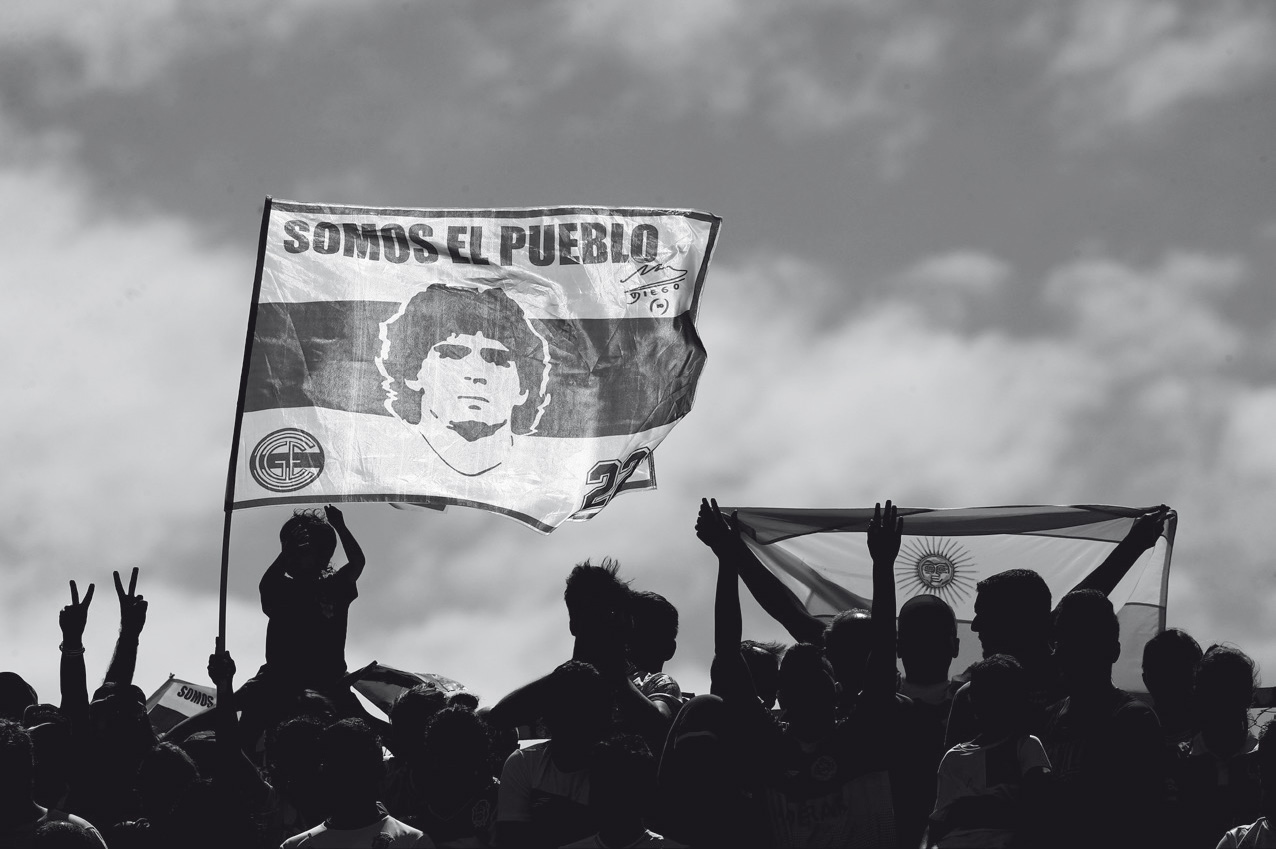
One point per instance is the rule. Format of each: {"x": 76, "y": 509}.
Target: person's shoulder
{"x": 1256, "y": 835}
{"x": 304, "y": 838}
{"x": 1129, "y": 710}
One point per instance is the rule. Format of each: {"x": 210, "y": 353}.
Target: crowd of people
{"x": 822, "y": 743}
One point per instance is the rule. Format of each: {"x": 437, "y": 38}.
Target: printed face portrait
{"x": 463, "y": 365}
{"x": 469, "y": 378}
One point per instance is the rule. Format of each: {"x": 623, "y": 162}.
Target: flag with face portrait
{"x": 822, "y": 556}
{"x": 521, "y": 361}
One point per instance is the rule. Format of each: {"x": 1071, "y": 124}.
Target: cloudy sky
{"x": 993, "y": 253}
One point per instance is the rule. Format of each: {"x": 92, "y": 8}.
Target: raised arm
{"x": 132, "y": 620}
{"x": 72, "y": 619}
{"x": 729, "y": 676}
{"x": 1142, "y": 535}
{"x": 354, "y": 554}
{"x": 885, "y": 532}
{"x": 769, "y": 591}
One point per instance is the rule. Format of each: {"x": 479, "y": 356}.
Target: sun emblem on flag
{"x": 937, "y": 566}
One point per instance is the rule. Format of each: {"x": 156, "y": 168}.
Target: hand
{"x": 713, "y": 529}
{"x": 334, "y": 516}
{"x": 74, "y": 616}
{"x": 885, "y": 532}
{"x": 132, "y": 606}
{"x": 1146, "y": 529}
{"x": 221, "y": 667}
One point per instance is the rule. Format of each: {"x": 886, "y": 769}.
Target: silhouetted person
{"x": 1169, "y": 673}
{"x": 350, "y": 768}
{"x": 1104, "y": 745}
{"x": 622, "y": 776}
{"x": 1218, "y": 779}
{"x": 652, "y": 642}
{"x": 458, "y": 802}
{"x": 544, "y": 793}
{"x": 1259, "y": 834}
{"x": 20, "y": 814}
{"x": 292, "y": 763}
{"x": 763, "y": 660}
{"x": 823, "y": 779}
{"x": 16, "y": 695}
{"x": 991, "y": 788}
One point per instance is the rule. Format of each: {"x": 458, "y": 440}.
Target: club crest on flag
{"x": 287, "y": 460}
{"x": 937, "y": 566}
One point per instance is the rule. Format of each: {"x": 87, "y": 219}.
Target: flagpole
{"x": 239, "y": 418}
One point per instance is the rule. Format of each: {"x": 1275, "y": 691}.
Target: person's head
{"x": 1226, "y": 679}
{"x": 808, "y": 691}
{"x": 410, "y": 715}
{"x": 598, "y": 604}
{"x": 654, "y": 638}
{"x": 17, "y": 764}
{"x": 579, "y": 705}
{"x": 622, "y": 779}
{"x": 1087, "y": 640}
{"x": 292, "y": 757}
{"x": 63, "y": 834}
{"x": 118, "y": 712}
{"x": 999, "y": 695}
{"x": 847, "y": 640}
{"x": 467, "y": 358}
{"x": 1012, "y": 612}
{"x": 350, "y": 762}
{"x": 310, "y": 541}
{"x": 457, "y": 748}
{"x": 1169, "y": 668}
{"x": 50, "y": 732}
{"x": 165, "y": 773}
{"x": 927, "y": 641}
{"x": 16, "y": 695}
{"x": 763, "y": 660}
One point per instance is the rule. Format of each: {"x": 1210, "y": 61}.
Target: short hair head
{"x": 655, "y": 629}
{"x": 162, "y": 777}
{"x": 580, "y": 704}
{"x": 411, "y": 714}
{"x": 927, "y": 632}
{"x": 457, "y": 745}
{"x": 999, "y": 694}
{"x": 350, "y": 758}
{"x": 807, "y": 682}
{"x": 1169, "y": 665}
{"x": 847, "y": 640}
{"x": 598, "y": 601}
{"x": 1012, "y": 609}
{"x": 1226, "y": 679}
{"x": 17, "y": 761}
{"x": 442, "y": 311}
{"x": 1087, "y": 637}
{"x": 16, "y": 695}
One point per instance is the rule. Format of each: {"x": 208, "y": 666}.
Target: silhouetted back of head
{"x": 807, "y": 688}
{"x": 999, "y": 695}
{"x": 927, "y": 637}
{"x": 411, "y": 714}
{"x": 579, "y": 706}
{"x": 598, "y": 602}
{"x": 292, "y": 752}
{"x": 457, "y": 746}
{"x": 60, "y": 834}
{"x": 1225, "y": 682}
{"x": 622, "y": 779}
{"x": 165, "y": 773}
{"x": 847, "y": 640}
{"x": 16, "y": 695}
{"x": 655, "y": 630}
{"x": 307, "y": 534}
{"x": 1087, "y": 638}
{"x": 763, "y": 660}
{"x": 1012, "y": 611}
{"x": 350, "y": 760}
{"x": 17, "y": 761}
{"x": 1169, "y": 666}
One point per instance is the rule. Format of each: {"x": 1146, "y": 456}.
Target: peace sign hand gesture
{"x": 132, "y": 606}
{"x": 74, "y": 616}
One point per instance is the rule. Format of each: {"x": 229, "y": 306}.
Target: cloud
{"x": 1121, "y": 67}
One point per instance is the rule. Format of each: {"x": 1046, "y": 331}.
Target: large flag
{"x": 522, "y": 361}
{"x": 821, "y": 555}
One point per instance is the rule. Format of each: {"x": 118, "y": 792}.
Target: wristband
{"x": 62, "y": 648}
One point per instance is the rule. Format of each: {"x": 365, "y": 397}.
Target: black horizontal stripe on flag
{"x": 608, "y": 376}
